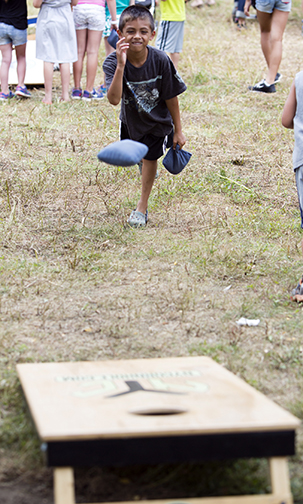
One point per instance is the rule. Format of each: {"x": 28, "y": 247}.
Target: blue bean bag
{"x": 113, "y": 38}
{"x": 176, "y": 160}
{"x": 123, "y": 153}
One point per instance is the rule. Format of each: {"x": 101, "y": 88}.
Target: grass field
{"x": 223, "y": 241}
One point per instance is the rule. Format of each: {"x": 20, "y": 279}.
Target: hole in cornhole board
{"x": 158, "y": 411}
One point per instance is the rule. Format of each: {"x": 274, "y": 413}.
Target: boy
{"x": 149, "y": 84}
{"x": 292, "y": 117}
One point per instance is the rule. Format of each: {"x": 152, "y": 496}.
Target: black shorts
{"x": 156, "y": 145}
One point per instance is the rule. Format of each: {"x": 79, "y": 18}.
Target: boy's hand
{"x": 121, "y": 51}
{"x": 179, "y": 139}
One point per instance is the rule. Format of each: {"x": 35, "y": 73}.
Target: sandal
{"x": 297, "y": 293}
{"x": 137, "y": 219}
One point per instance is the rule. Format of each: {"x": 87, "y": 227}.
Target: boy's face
{"x": 137, "y": 34}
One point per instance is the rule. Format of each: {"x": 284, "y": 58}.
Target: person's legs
{"x": 6, "y": 51}
{"x": 278, "y": 24}
{"x": 175, "y": 58}
{"x": 297, "y": 293}
{"x": 149, "y": 170}
{"x": 265, "y": 19}
{"x": 65, "y": 77}
{"x": 48, "y": 82}
{"x": 92, "y": 51}
{"x": 78, "y": 65}
{"x": 272, "y": 27}
{"x": 21, "y": 63}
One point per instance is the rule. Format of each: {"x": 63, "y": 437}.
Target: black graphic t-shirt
{"x": 145, "y": 89}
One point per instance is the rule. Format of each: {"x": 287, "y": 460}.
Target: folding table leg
{"x": 280, "y": 483}
{"x": 64, "y": 487}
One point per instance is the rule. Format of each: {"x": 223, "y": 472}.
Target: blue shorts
{"x": 299, "y": 182}
{"x": 269, "y": 5}
{"x": 10, "y": 35}
{"x": 170, "y": 36}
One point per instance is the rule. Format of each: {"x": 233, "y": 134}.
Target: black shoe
{"x": 278, "y": 78}
{"x": 262, "y": 87}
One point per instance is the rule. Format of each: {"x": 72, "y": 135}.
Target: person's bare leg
{"x": 265, "y": 25}
{"x": 175, "y": 58}
{"x": 21, "y": 63}
{"x": 6, "y": 51}
{"x": 149, "y": 170}
{"x": 278, "y": 24}
{"x": 65, "y": 78}
{"x": 272, "y": 27}
{"x": 92, "y": 51}
{"x": 48, "y": 82}
{"x": 78, "y": 65}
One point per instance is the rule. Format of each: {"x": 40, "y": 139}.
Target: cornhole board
{"x": 116, "y": 413}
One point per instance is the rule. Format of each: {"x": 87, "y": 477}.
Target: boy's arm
{"x": 173, "y": 107}
{"x": 114, "y": 93}
{"x": 37, "y": 3}
{"x": 74, "y": 3}
{"x": 290, "y": 108}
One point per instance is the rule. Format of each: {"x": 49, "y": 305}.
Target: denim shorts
{"x": 89, "y": 17}
{"x": 269, "y": 5}
{"x": 11, "y": 35}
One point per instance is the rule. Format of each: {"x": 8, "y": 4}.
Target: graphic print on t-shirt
{"x": 145, "y": 94}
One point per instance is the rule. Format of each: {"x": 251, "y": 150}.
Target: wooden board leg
{"x": 64, "y": 488}
{"x": 280, "y": 483}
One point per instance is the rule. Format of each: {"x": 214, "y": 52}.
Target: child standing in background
{"x": 89, "y": 18}
{"x": 292, "y": 117}
{"x": 13, "y": 31}
{"x": 56, "y": 42}
{"x": 171, "y": 29}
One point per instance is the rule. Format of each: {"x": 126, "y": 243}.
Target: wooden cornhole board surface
{"x": 116, "y": 403}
